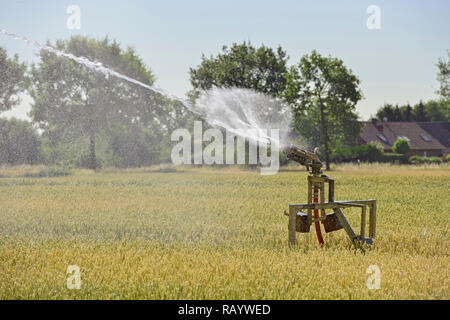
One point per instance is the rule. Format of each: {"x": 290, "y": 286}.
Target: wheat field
{"x": 205, "y": 233}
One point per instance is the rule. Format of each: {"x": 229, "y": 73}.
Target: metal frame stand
{"x": 301, "y": 222}
{"x": 316, "y": 202}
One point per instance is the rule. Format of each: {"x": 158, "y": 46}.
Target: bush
{"x": 342, "y": 155}
{"x": 19, "y": 142}
{"x": 435, "y": 160}
{"x": 371, "y": 152}
{"x": 134, "y": 146}
{"x": 401, "y": 146}
{"x": 392, "y": 157}
{"x": 416, "y": 160}
{"x": 59, "y": 171}
{"x": 84, "y": 160}
{"x": 447, "y": 158}
{"x": 421, "y": 160}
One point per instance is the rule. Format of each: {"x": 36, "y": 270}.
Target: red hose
{"x": 316, "y": 216}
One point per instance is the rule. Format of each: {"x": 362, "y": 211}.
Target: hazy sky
{"x": 396, "y": 63}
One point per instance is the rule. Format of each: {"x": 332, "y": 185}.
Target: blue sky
{"x": 396, "y": 64}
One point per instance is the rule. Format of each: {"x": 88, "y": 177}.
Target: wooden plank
{"x": 330, "y": 190}
{"x": 322, "y": 198}
{"x": 309, "y": 199}
{"x": 332, "y": 205}
{"x": 372, "y": 219}
{"x": 363, "y": 222}
{"x": 291, "y": 226}
{"x": 348, "y": 229}
{"x": 348, "y": 205}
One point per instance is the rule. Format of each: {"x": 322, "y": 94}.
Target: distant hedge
{"x": 392, "y": 157}
{"x": 371, "y": 152}
{"x": 416, "y": 160}
{"x": 422, "y": 160}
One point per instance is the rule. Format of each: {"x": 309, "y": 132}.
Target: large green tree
{"x": 71, "y": 100}
{"x": 438, "y": 110}
{"x": 324, "y": 94}
{"x": 12, "y": 80}
{"x": 243, "y": 66}
{"x": 444, "y": 77}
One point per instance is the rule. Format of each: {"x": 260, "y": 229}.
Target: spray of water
{"x": 246, "y": 113}
{"x": 243, "y": 112}
{"x": 97, "y": 66}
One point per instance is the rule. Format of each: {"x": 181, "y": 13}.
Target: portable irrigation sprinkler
{"x": 301, "y": 222}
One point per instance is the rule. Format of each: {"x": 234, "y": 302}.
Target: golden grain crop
{"x": 218, "y": 234}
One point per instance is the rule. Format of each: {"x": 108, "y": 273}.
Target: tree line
{"x": 432, "y": 110}
{"x": 88, "y": 120}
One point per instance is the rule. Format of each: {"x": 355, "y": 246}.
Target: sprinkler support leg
{"x": 346, "y": 225}
{"x": 292, "y": 221}
{"x": 316, "y": 216}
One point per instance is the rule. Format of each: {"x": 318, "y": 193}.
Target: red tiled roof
{"x": 388, "y": 132}
{"x": 439, "y": 130}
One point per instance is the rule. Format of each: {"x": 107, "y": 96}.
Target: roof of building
{"x": 439, "y": 130}
{"x": 388, "y": 132}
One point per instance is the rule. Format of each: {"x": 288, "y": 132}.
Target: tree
{"x": 397, "y": 114}
{"x": 19, "y": 142}
{"x": 12, "y": 80}
{"x": 386, "y": 111}
{"x": 324, "y": 94}
{"x": 419, "y": 112}
{"x": 242, "y": 66}
{"x": 71, "y": 100}
{"x": 401, "y": 146}
{"x": 432, "y": 110}
{"x": 438, "y": 110}
{"x": 444, "y": 77}
{"x": 133, "y": 146}
{"x": 407, "y": 113}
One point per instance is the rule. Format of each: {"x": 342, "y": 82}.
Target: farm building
{"x": 426, "y": 138}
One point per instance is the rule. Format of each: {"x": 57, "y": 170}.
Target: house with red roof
{"x": 425, "y": 138}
